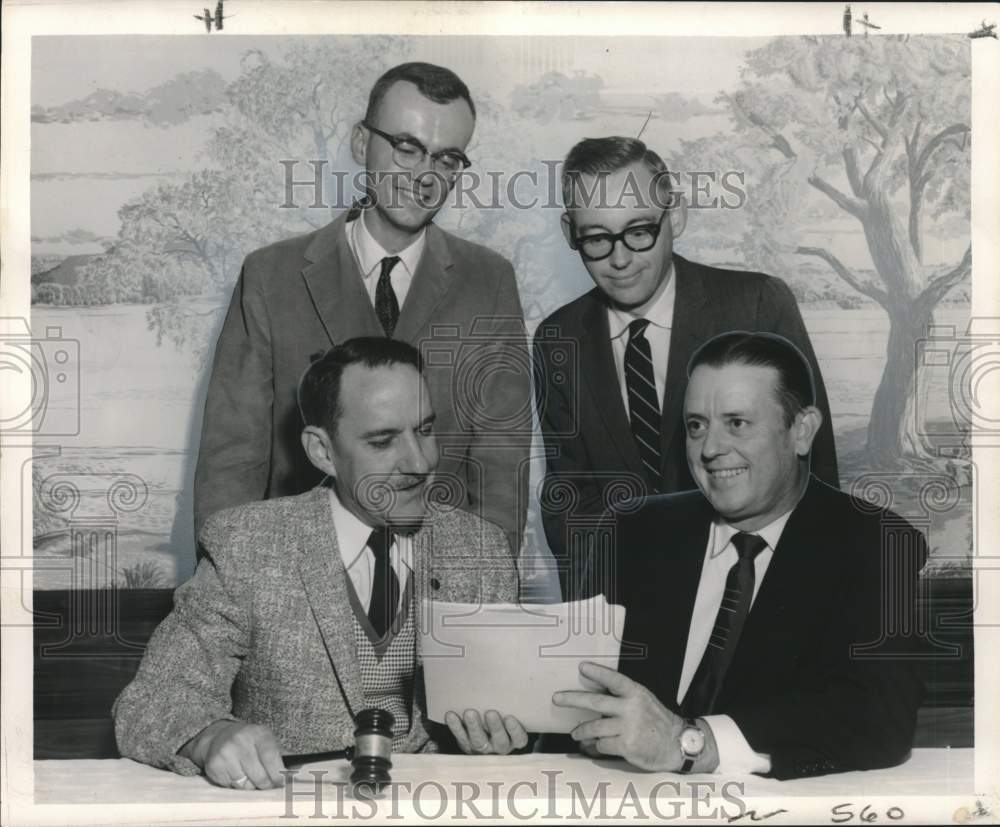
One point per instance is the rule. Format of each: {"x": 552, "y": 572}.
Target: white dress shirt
{"x": 735, "y": 754}
{"x": 661, "y": 319}
{"x": 368, "y": 254}
{"x": 359, "y": 560}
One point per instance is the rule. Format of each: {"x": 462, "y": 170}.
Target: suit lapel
{"x": 430, "y": 284}
{"x": 601, "y": 379}
{"x": 683, "y": 568}
{"x": 686, "y": 334}
{"x": 325, "y": 582}
{"x": 335, "y": 286}
{"x": 795, "y": 575}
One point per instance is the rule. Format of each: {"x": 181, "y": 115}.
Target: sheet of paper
{"x": 511, "y": 658}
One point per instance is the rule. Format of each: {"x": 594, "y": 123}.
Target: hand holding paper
{"x": 511, "y": 659}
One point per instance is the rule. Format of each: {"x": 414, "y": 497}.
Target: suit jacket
{"x": 844, "y": 574}
{"x": 263, "y": 631}
{"x": 591, "y": 455}
{"x": 305, "y": 294}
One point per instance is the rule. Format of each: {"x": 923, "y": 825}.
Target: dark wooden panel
{"x": 88, "y": 646}
{"x": 945, "y": 727}
{"x": 75, "y": 738}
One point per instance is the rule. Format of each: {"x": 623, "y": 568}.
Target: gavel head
{"x": 372, "y": 751}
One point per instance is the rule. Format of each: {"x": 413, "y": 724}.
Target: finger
{"x": 458, "y": 730}
{"x": 590, "y": 748}
{"x": 499, "y": 739}
{"x": 594, "y": 701}
{"x": 254, "y": 770}
{"x": 598, "y": 728}
{"x": 223, "y": 767}
{"x": 614, "y": 682}
{"x": 610, "y": 746}
{"x": 477, "y": 735}
{"x": 269, "y": 755}
{"x": 515, "y": 729}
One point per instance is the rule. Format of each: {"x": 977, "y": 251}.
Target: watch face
{"x": 692, "y": 741}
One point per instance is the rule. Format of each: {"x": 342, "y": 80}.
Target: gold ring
{"x": 239, "y": 782}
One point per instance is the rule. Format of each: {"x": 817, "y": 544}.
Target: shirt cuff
{"x": 736, "y": 756}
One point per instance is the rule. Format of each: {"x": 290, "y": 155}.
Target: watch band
{"x": 688, "y": 763}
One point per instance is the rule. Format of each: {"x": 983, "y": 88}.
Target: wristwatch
{"x": 692, "y": 742}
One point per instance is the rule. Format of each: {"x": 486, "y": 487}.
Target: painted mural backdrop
{"x": 839, "y": 164}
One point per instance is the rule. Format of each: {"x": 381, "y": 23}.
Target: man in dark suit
{"x": 611, "y": 416}
{"x": 384, "y": 270}
{"x": 771, "y": 621}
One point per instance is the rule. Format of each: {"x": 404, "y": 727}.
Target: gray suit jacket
{"x": 304, "y": 294}
{"x": 263, "y": 631}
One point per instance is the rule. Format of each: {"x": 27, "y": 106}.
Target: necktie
{"x": 643, "y": 406}
{"x": 707, "y": 682}
{"x": 386, "y": 306}
{"x": 385, "y": 584}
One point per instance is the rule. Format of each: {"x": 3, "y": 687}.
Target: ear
{"x": 359, "y": 144}
{"x": 566, "y": 223}
{"x": 806, "y": 425}
{"x": 319, "y": 448}
{"x": 678, "y": 216}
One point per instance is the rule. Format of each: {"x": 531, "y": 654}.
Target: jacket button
{"x": 435, "y": 583}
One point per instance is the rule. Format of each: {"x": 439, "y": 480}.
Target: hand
{"x": 634, "y": 724}
{"x": 238, "y": 755}
{"x": 500, "y": 736}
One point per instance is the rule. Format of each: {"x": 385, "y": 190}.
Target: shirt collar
{"x": 770, "y": 533}
{"x": 660, "y": 314}
{"x": 352, "y": 534}
{"x": 370, "y": 253}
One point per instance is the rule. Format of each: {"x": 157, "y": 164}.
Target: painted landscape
{"x": 840, "y": 165}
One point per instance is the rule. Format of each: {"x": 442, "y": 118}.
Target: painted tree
{"x": 878, "y": 127}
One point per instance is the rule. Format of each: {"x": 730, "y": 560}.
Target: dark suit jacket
{"x": 590, "y": 452}
{"x": 305, "y": 294}
{"x": 844, "y": 575}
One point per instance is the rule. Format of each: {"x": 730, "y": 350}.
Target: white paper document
{"x": 511, "y": 658}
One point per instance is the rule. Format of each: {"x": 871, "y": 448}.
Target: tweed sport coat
{"x": 304, "y": 294}
{"x": 263, "y": 632}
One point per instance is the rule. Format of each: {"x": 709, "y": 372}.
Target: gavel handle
{"x": 295, "y": 761}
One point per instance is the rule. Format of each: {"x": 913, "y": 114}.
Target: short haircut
{"x": 434, "y": 82}
{"x": 596, "y": 156}
{"x": 319, "y": 387}
{"x": 795, "y": 390}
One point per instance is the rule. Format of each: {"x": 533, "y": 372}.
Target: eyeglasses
{"x": 409, "y": 153}
{"x": 638, "y": 238}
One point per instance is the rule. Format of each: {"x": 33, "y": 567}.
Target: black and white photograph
{"x": 558, "y": 412}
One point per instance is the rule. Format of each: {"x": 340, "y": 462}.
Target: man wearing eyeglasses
{"x": 611, "y": 422}
{"x": 380, "y": 269}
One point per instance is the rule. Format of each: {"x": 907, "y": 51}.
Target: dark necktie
{"x": 707, "y": 682}
{"x": 643, "y": 406}
{"x": 385, "y": 584}
{"x": 386, "y": 306}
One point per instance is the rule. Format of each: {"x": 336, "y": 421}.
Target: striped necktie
{"x": 643, "y": 405}
{"x": 704, "y": 690}
{"x": 386, "y": 305}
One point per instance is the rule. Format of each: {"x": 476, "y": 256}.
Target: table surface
{"x": 928, "y": 772}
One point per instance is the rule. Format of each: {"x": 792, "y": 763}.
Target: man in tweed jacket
{"x": 268, "y": 649}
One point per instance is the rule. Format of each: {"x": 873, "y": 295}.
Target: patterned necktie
{"x": 386, "y": 306}
{"x": 385, "y": 584}
{"x": 643, "y": 405}
{"x": 707, "y": 682}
